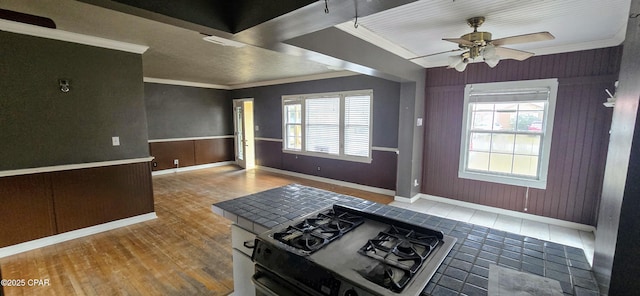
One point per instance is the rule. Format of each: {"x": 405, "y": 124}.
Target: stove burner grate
{"x": 400, "y": 254}
{"x": 312, "y": 234}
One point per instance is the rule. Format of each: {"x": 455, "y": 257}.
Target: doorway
{"x": 243, "y": 133}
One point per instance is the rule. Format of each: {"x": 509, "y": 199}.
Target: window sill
{"x": 539, "y": 184}
{"x": 330, "y": 156}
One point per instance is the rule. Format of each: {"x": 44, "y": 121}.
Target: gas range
{"x": 345, "y": 251}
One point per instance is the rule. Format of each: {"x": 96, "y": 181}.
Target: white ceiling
{"x": 410, "y": 30}
{"x": 417, "y": 29}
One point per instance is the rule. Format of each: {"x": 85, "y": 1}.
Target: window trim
{"x": 502, "y": 87}
{"x": 300, "y": 99}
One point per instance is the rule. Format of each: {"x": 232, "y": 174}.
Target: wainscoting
{"x": 380, "y": 173}
{"x": 190, "y": 152}
{"x": 42, "y": 204}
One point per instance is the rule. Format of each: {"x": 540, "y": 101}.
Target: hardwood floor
{"x": 186, "y": 251}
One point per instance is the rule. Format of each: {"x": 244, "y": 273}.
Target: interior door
{"x": 243, "y": 133}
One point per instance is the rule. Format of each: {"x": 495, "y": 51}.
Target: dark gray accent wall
{"x": 42, "y": 126}
{"x": 386, "y": 98}
{"x": 181, "y": 111}
{"x": 615, "y": 260}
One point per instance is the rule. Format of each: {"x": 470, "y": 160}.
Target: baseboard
{"x": 62, "y": 237}
{"x": 542, "y": 219}
{"x": 192, "y": 168}
{"x": 406, "y": 199}
{"x": 330, "y": 181}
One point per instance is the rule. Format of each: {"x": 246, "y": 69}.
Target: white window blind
{"x": 323, "y": 125}
{"x": 331, "y": 125}
{"x": 356, "y": 125}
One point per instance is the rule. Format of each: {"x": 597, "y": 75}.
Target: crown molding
{"x": 56, "y": 34}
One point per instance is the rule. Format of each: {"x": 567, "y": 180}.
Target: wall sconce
{"x": 64, "y": 85}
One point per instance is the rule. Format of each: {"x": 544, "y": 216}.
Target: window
{"x": 506, "y": 132}
{"x": 332, "y": 125}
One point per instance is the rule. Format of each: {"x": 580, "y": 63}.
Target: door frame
{"x": 248, "y": 159}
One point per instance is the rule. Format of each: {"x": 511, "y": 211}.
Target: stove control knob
{"x": 350, "y": 292}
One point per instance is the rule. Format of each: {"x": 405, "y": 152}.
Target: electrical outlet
{"x": 318, "y": 168}
{"x": 176, "y": 162}
{"x": 415, "y": 183}
{"x": 115, "y": 141}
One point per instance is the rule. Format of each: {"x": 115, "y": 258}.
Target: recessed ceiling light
{"x": 223, "y": 41}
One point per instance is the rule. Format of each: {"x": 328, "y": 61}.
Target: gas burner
{"x": 401, "y": 250}
{"x": 387, "y": 276}
{"x": 311, "y": 234}
{"x": 302, "y": 238}
{"x": 406, "y": 248}
{"x": 307, "y": 242}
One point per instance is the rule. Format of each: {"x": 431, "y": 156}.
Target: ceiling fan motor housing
{"x": 478, "y": 38}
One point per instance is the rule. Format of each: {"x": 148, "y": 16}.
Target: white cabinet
{"x": 242, "y": 265}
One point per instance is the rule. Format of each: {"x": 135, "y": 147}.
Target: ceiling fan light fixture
{"x": 489, "y": 51}
{"x": 455, "y": 61}
{"x": 490, "y": 56}
{"x": 461, "y": 66}
{"x": 493, "y": 61}
{"x": 481, "y": 45}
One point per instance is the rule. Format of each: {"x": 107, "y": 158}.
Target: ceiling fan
{"x": 479, "y": 44}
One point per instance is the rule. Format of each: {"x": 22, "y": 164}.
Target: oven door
{"x": 269, "y": 284}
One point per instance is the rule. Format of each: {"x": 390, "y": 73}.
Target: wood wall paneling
{"x": 27, "y": 209}
{"x": 213, "y": 150}
{"x": 166, "y": 152}
{"x": 94, "y": 196}
{"x": 580, "y": 135}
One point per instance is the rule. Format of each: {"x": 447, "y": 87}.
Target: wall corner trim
{"x": 56, "y": 34}
{"x": 76, "y": 166}
{"x": 62, "y": 237}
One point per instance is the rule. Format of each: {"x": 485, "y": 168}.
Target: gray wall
{"x": 615, "y": 259}
{"x": 386, "y": 96}
{"x": 181, "y": 111}
{"x": 42, "y": 126}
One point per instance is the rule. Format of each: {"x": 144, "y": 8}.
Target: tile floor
{"x": 549, "y": 232}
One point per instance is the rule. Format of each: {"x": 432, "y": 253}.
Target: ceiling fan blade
{"x": 533, "y": 37}
{"x": 509, "y": 53}
{"x": 460, "y": 41}
{"x": 437, "y": 53}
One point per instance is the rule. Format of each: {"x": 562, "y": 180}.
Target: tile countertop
{"x": 465, "y": 271}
